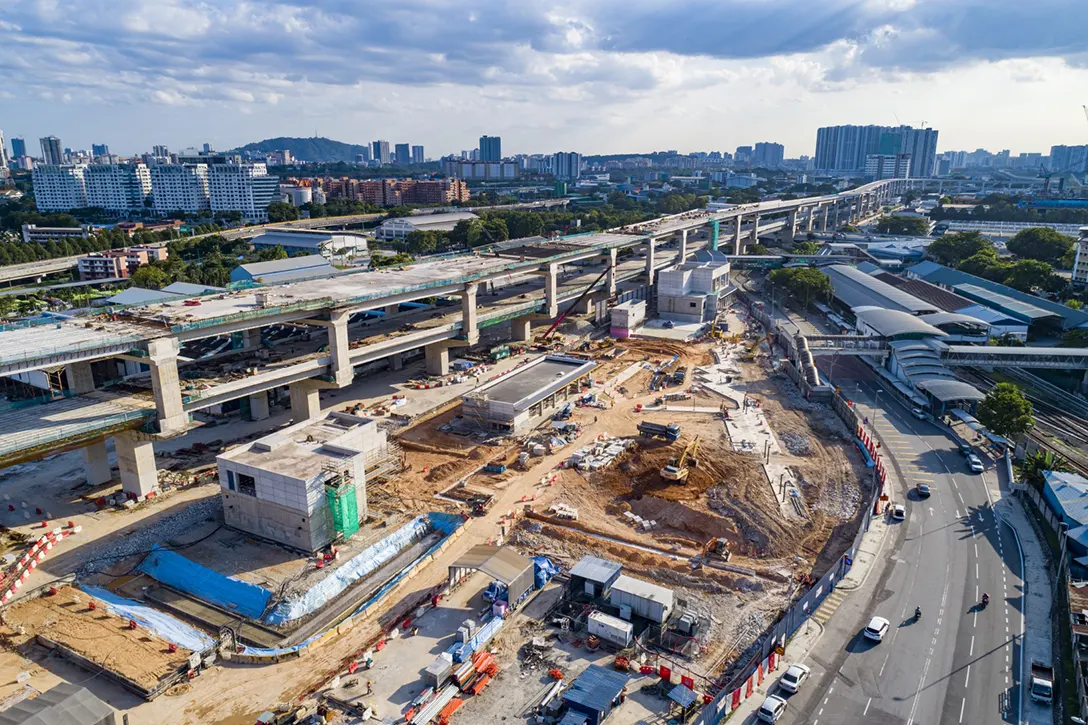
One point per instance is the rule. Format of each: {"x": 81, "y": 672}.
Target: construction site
{"x": 428, "y": 518}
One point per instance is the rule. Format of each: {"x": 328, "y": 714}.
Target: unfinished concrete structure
{"x": 303, "y": 486}
{"x": 150, "y": 336}
{"x": 519, "y": 400}
{"x": 690, "y": 291}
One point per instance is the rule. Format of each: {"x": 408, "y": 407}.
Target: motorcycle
{"x": 917, "y": 613}
{"x": 985, "y": 600}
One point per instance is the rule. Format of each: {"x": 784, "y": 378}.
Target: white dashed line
{"x": 968, "y": 678}
{"x": 962, "y": 705}
{"x": 972, "y": 652}
{"x": 870, "y": 702}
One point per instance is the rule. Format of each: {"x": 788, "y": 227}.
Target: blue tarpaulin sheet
{"x": 543, "y": 571}
{"x": 187, "y": 576}
{"x": 162, "y": 624}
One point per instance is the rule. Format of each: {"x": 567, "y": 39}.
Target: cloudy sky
{"x": 595, "y": 76}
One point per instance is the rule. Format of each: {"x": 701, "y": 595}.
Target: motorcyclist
{"x": 917, "y": 612}
{"x": 985, "y": 599}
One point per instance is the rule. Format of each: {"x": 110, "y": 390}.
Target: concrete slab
{"x": 655, "y": 329}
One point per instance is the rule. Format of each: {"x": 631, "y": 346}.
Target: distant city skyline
{"x": 604, "y": 77}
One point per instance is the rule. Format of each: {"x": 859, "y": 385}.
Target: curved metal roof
{"x": 891, "y": 323}
{"x": 946, "y": 389}
{"x": 946, "y": 318}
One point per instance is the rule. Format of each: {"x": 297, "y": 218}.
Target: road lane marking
{"x": 974, "y": 623}
{"x": 968, "y": 678}
{"x": 830, "y": 689}
{"x": 962, "y": 705}
{"x": 870, "y": 702}
{"x": 976, "y": 549}
{"x": 976, "y": 570}
{"x": 921, "y": 681}
{"x": 884, "y": 665}
{"x": 972, "y": 652}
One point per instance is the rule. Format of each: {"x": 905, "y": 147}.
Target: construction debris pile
{"x": 796, "y": 443}
{"x": 601, "y": 454}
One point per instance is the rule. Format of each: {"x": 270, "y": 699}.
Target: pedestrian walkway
{"x": 1036, "y": 643}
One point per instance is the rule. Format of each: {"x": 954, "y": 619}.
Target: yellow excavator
{"x": 677, "y": 468}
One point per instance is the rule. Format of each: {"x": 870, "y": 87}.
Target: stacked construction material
{"x": 430, "y": 710}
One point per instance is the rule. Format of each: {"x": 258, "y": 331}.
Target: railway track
{"x": 1055, "y": 430}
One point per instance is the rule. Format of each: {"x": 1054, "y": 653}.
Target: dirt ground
{"x": 97, "y": 635}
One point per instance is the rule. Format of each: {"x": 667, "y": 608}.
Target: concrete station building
{"x": 518, "y": 401}
{"x": 689, "y": 292}
{"x": 303, "y": 486}
{"x": 401, "y": 227}
{"x": 328, "y": 244}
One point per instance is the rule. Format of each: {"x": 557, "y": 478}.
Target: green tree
{"x": 1007, "y": 340}
{"x": 1075, "y": 338}
{"x": 806, "y": 247}
{"x": 849, "y": 229}
{"x": 804, "y": 283}
{"x": 269, "y": 254}
{"x": 1035, "y": 466}
{"x": 1029, "y": 275}
{"x": 150, "y": 277}
{"x": 279, "y": 211}
{"x": 1041, "y": 243}
{"x": 1006, "y": 411}
{"x": 951, "y": 249}
{"x": 758, "y": 249}
{"x": 985, "y": 263}
{"x": 910, "y": 225}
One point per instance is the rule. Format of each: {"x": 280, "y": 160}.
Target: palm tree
{"x": 1037, "y": 463}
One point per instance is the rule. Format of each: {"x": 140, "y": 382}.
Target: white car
{"x": 924, "y": 490}
{"x": 974, "y": 463}
{"x": 899, "y": 512}
{"x": 771, "y": 709}
{"x": 876, "y": 629}
{"x": 794, "y": 677}
{"x": 919, "y": 414}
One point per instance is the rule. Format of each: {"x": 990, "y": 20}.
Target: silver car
{"x": 794, "y": 677}
{"x": 771, "y": 709}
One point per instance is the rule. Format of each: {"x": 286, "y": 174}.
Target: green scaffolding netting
{"x": 344, "y": 507}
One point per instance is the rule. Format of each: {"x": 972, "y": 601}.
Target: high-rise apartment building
{"x": 887, "y": 166}
{"x": 160, "y": 152}
{"x": 3, "y": 152}
{"x": 52, "y": 152}
{"x": 490, "y": 148}
{"x": 417, "y": 155}
{"x": 743, "y": 155}
{"x": 117, "y": 188}
{"x": 242, "y": 187}
{"x": 402, "y": 154}
{"x": 179, "y": 187}
{"x": 99, "y": 149}
{"x": 206, "y": 148}
{"x": 768, "y": 155}
{"x": 18, "y": 147}
{"x": 567, "y": 165}
{"x": 846, "y": 148}
{"x": 59, "y": 187}
{"x": 1062, "y": 158}
{"x": 363, "y": 157}
{"x": 380, "y": 152}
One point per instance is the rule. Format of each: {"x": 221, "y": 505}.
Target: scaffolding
{"x": 340, "y": 494}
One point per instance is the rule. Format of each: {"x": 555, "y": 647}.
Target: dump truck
{"x": 1042, "y": 682}
{"x": 670, "y": 432}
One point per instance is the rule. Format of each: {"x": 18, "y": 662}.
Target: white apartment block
{"x": 243, "y": 187}
{"x": 59, "y": 187}
{"x": 117, "y": 187}
{"x": 180, "y": 187}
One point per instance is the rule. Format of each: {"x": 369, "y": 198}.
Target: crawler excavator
{"x": 677, "y": 468}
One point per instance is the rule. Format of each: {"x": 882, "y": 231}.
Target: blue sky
{"x": 597, "y": 76}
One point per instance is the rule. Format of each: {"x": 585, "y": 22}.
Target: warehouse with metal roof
{"x": 501, "y": 563}
{"x": 951, "y": 278}
{"x": 1038, "y": 320}
{"x": 853, "y": 288}
{"x": 594, "y": 694}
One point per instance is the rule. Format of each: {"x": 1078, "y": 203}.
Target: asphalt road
{"x": 959, "y": 663}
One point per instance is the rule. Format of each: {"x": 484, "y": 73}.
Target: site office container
{"x": 611, "y": 629}
{"x": 647, "y": 600}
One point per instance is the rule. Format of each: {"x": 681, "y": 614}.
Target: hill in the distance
{"x": 316, "y": 149}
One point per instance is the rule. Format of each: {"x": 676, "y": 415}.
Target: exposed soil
{"x": 97, "y": 635}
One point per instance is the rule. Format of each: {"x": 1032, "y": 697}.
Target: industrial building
{"x": 689, "y": 292}
{"x": 328, "y": 244}
{"x": 516, "y": 402}
{"x": 401, "y": 227}
{"x": 594, "y": 577}
{"x": 853, "y": 288}
{"x": 953, "y": 280}
{"x": 303, "y": 486}
{"x": 292, "y": 269}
